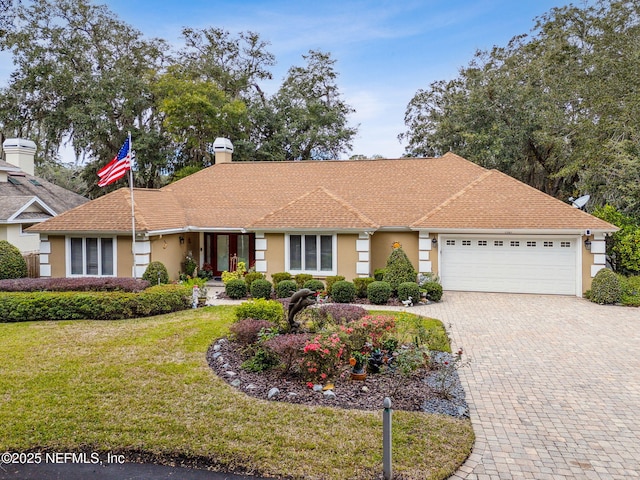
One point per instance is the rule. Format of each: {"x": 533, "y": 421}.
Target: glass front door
{"x": 225, "y": 250}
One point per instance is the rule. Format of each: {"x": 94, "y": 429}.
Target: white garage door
{"x": 507, "y": 264}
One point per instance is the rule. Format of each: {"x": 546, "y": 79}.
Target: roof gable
{"x": 318, "y": 209}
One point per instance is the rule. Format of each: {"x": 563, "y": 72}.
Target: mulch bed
{"x": 420, "y": 392}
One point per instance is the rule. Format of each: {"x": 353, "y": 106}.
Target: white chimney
{"x": 21, "y": 153}
{"x": 223, "y": 150}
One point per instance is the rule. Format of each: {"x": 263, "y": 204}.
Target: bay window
{"x": 310, "y": 253}
{"x": 91, "y": 256}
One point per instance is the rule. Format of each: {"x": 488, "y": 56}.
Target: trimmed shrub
{"x": 331, "y": 280}
{"x": 343, "y": 292}
{"x": 236, "y": 288}
{"x": 378, "y": 274}
{"x": 12, "y": 263}
{"x": 630, "y": 291}
{"x": 409, "y": 289}
{"x": 252, "y": 277}
{"x": 399, "y": 269}
{"x": 605, "y": 288}
{"x": 246, "y": 331}
{"x": 278, "y": 277}
{"x": 261, "y": 288}
{"x": 27, "y": 306}
{"x": 286, "y": 288}
{"x": 433, "y": 291}
{"x": 301, "y": 278}
{"x": 315, "y": 285}
{"x": 83, "y": 284}
{"x": 156, "y": 273}
{"x": 289, "y": 348}
{"x": 379, "y": 293}
{"x": 261, "y": 309}
{"x": 361, "y": 285}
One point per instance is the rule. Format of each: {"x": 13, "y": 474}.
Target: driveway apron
{"x": 553, "y": 386}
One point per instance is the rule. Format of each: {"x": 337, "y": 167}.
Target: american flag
{"x": 116, "y": 168}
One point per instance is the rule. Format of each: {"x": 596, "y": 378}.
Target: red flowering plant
{"x": 369, "y": 332}
{"x": 322, "y": 356}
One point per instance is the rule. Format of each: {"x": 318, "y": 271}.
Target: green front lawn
{"x": 144, "y": 385}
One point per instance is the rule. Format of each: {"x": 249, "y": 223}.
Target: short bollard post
{"x": 387, "y": 470}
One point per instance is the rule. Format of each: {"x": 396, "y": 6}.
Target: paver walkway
{"x": 553, "y": 387}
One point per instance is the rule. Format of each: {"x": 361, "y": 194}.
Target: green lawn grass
{"x": 144, "y": 386}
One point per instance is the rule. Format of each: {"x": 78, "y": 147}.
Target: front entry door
{"x": 225, "y": 250}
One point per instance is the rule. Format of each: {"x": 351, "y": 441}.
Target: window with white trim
{"x": 548, "y": 244}
{"x": 451, "y": 242}
{"x": 466, "y": 243}
{"x": 92, "y": 256}
{"x": 565, "y": 244}
{"x": 482, "y": 243}
{"x": 515, "y": 243}
{"x": 498, "y": 243}
{"x": 531, "y": 244}
{"x": 311, "y": 253}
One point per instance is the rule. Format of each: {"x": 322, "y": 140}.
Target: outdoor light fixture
{"x": 181, "y": 238}
{"x": 587, "y": 244}
{"x": 434, "y": 240}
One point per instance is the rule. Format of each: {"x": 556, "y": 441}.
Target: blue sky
{"x": 385, "y": 49}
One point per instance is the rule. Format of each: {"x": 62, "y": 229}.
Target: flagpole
{"x": 133, "y": 212}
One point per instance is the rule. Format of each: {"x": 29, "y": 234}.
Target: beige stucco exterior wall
{"x": 382, "y": 245}
{"x": 587, "y": 262}
{"x": 25, "y": 242}
{"x": 347, "y": 256}
{"x": 274, "y": 254}
{"x": 125, "y": 257}
{"x": 167, "y": 249}
{"x": 433, "y": 255}
{"x": 57, "y": 257}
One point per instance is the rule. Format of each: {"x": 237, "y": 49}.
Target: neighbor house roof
{"x": 448, "y": 192}
{"x": 42, "y": 198}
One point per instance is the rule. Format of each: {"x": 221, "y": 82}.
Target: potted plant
{"x": 358, "y": 362}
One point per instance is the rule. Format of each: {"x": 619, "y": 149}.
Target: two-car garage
{"x": 523, "y": 264}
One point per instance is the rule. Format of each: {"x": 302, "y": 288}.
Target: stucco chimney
{"x": 21, "y": 153}
{"x": 223, "y": 150}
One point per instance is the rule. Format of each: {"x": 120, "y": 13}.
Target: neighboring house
{"x": 25, "y": 199}
{"x": 477, "y": 229}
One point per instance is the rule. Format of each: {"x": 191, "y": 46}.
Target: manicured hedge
{"x": 23, "y": 306}
{"x": 80, "y": 284}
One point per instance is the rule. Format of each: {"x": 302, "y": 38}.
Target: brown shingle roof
{"x": 319, "y": 209}
{"x": 421, "y": 193}
{"x": 496, "y": 201}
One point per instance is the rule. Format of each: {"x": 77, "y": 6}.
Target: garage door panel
{"x": 530, "y": 265}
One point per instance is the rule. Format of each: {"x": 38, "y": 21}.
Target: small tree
{"x": 399, "y": 269}
{"x": 12, "y": 263}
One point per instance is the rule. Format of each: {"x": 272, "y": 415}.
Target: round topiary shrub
{"x": 409, "y": 289}
{"x": 379, "y": 293}
{"x": 286, "y": 288}
{"x": 433, "y": 291}
{"x": 343, "y": 292}
{"x": 605, "y": 288}
{"x": 156, "y": 273}
{"x": 236, "y": 288}
{"x": 253, "y": 276}
{"x": 315, "y": 285}
{"x": 12, "y": 263}
{"x": 261, "y": 288}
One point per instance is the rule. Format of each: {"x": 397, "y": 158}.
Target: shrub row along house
{"x": 477, "y": 229}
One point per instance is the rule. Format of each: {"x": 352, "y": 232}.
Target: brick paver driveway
{"x": 553, "y": 387}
